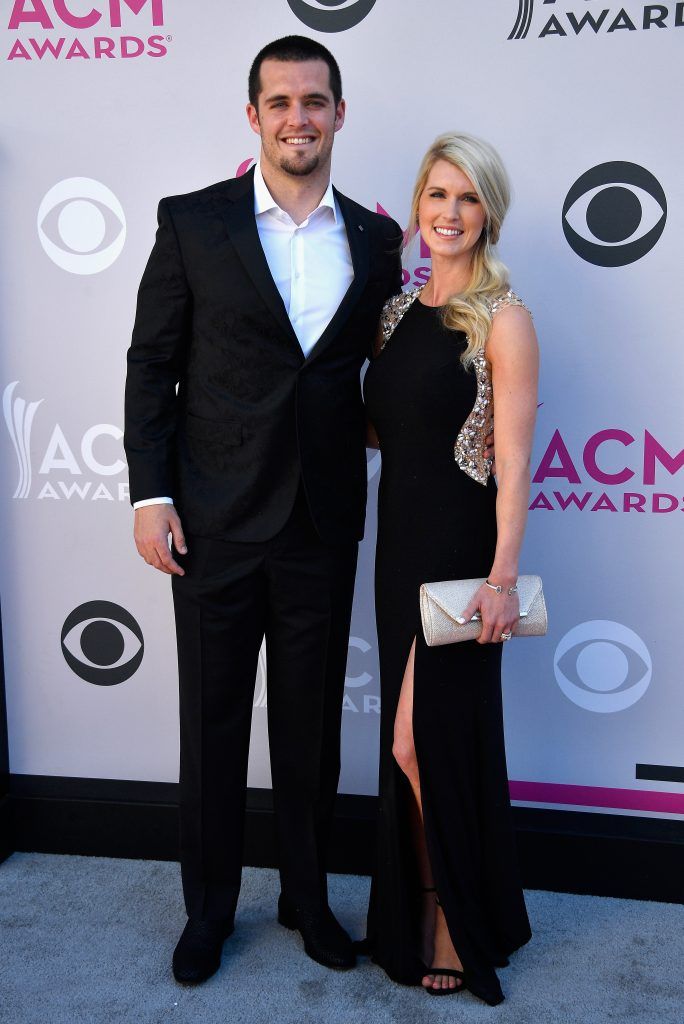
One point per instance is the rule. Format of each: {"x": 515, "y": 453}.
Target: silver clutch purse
{"x": 442, "y": 603}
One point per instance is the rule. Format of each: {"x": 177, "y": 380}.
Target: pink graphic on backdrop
{"x": 57, "y": 17}
{"x": 244, "y": 166}
{"x": 589, "y": 456}
{"x": 35, "y": 12}
{"x": 597, "y": 796}
{"x": 639, "y": 463}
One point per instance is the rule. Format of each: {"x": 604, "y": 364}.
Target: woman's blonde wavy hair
{"x": 469, "y": 311}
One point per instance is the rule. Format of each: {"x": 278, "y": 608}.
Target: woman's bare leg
{"x": 437, "y": 945}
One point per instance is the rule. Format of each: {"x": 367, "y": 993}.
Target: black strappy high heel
{"x": 449, "y": 972}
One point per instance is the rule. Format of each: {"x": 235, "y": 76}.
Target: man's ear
{"x": 340, "y": 113}
{"x": 253, "y": 118}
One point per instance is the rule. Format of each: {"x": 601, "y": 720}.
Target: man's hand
{"x": 153, "y": 524}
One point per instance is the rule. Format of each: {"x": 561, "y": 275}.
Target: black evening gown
{"x": 436, "y": 523}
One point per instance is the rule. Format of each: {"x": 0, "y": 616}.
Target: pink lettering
{"x": 424, "y": 249}
{"x": 658, "y": 499}
{"x": 541, "y": 501}
{"x": 591, "y": 448}
{"x": 104, "y": 47}
{"x": 566, "y": 469}
{"x": 633, "y": 502}
{"x": 77, "y": 50}
{"x": 156, "y": 47}
{"x": 131, "y": 41}
{"x": 20, "y": 15}
{"x": 604, "y": 504}
{"x": 19, "y": 50}
{"x": 136, "y": 7}
{"x": 75, "y": 20}
{"x": 653, "y": 451}
{"x": 47, "y": 46}
{"x": 572, "y": 499}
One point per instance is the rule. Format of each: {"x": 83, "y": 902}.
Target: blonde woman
{"x": 446, "y": 903}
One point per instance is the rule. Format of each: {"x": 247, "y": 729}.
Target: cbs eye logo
{"x": 102, "y": 643}
{"x": 602, "y": 666}
{"x": 331, "y": 15}
{"x": 81, "y": 225}
{"x": 614, "y": 214}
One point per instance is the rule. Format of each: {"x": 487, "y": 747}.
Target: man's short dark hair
{"x": 299, "y": 49}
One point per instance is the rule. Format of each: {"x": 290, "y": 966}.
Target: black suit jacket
{"x": 223, "y": 411}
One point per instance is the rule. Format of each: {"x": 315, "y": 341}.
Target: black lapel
{"x": 242, "y": 229}
{"x": 357, "y": 236}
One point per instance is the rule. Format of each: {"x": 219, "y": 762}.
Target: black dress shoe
{"x": 198, "y": 953}
{"x": 325, "y": 940}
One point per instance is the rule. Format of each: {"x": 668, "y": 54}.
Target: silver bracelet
{"x": 497, "y": 588}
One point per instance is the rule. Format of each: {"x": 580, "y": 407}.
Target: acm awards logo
{"x": 102, "y": 643}
{"x": 331, "y": 15}
{"x": 70, "y": 470}
{"x": 568, "y": 24}
{"x": 614, "y": 471}
{"x": 81, "y": 225}
{"x": 86, "y": 34}
{"x": 614, "y": 214}
{"x": 602, "y": 666}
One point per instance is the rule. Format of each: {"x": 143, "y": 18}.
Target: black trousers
{"x": 297, "y": 591}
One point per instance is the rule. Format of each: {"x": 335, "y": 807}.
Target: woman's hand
{"x": 499, "y": 613}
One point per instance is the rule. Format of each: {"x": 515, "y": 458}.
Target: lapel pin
{"x": 360, "y": 227}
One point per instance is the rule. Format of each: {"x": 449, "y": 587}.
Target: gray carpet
{"x": 89, "y": 940}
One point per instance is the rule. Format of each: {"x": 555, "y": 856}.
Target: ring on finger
{"x": 506, "y": 636}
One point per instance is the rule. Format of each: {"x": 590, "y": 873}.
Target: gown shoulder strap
{"x": 508, "y": 298}
{"x": 393, "y": 311}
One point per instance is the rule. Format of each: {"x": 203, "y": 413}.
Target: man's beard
{"x": 300, "y": 169}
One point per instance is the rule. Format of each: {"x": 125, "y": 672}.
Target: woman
{"x": 446, "y": 904}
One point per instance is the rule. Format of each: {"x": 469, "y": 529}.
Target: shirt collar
{"x": 264, "y": 201}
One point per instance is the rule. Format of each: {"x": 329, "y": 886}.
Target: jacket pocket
{"x": 227, "y": 432}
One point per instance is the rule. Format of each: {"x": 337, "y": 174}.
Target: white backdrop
{"x": 109, "y": 106}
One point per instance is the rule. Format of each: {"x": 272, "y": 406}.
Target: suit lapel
{"x": 357, "y": 236}
{"x": 241, "y": 224}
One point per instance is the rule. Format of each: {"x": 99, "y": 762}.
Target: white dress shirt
{"x": 309, "y": 262}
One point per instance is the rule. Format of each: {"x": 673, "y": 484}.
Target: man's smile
{"x": 298, "y": 140}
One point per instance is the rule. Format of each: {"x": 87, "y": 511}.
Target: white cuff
{"x": 152, "y": 501}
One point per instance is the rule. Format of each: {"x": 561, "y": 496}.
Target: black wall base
{"x": 5, "y": 838}
{"x": 563, "y": 851}
{"x": 6, "y": 844}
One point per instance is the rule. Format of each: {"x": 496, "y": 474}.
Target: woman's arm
{"x": 513, "y": 354}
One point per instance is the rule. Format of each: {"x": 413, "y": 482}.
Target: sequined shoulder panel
{"x": 470, "y": 443}
{"x": 393, "y": 311}
{"x": 509, "y": 298}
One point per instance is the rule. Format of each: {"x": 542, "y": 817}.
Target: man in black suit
{"x": 244, "y": 422}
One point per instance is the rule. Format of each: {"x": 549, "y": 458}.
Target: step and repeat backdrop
{"x": 111, "y": 104}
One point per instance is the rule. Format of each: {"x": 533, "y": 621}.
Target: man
{"x": 260, "y": 301}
